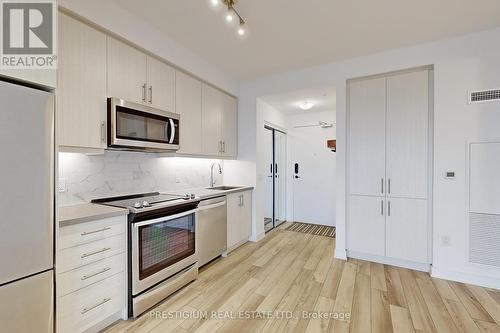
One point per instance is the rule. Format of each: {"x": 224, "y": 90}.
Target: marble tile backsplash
{"x": 115, "y": 173}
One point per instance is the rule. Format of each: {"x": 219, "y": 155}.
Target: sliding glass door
{"x": 275, "y": 205}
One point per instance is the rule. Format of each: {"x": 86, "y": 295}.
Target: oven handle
{"x": 164, "y": 219}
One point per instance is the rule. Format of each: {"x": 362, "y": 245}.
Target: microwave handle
{"x": 172, "y": 131}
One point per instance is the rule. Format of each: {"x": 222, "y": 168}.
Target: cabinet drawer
{"x": 78, "y": 256}
{"x": 83, "y": 233}
{"x": 87, "y": 307}
{"x": 89, "y": 274}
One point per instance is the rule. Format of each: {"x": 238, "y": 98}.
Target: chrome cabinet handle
{"x": 382, "y": 185}
{"x": 86, "y": 277}
{"x": 86, "y": 255}
{"x": 151, "y": 94}
{"x": 223, "y": 146}
{"x": 103, "y": 132}
{"x": 85, "y": 310}
{"x": 389, "y": 208}
{"x": 382, "y": 207}
{"x": 389, "y": 186}
{"x": 144, "y": 93}
{"x": 86, "y": 233}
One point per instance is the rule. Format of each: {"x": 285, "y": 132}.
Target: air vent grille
{"x": 484, "y": 96}
{"x": 484, "y": 246}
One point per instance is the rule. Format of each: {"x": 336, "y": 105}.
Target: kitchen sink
{"x": 223, "y": 188}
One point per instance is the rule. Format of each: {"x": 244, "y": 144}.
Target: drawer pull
{"x": 85, "y": 255}
{"x": 86, "y": 233}
{"x": 85, "y": 277}
{"x": 85, "y": 310}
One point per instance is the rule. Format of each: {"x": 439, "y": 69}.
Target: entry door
{"x": 313, "y": 181}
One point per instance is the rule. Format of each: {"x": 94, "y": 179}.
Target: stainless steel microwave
{"x": 133, "y": 126}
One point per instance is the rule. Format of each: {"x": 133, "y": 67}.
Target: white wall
{"x": 118, "y": 20}
{"x": 319, "y": 181}
{"x": 468, "y": 62}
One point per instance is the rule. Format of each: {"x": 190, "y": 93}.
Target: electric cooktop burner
{"x": 147, "y": 201}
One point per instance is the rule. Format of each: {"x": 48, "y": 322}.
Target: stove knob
{"x": 193, "y": 196}
{"x": 145, "y": 204}
{"x": 186, "y": 197}
{"x": 137, "y": 204}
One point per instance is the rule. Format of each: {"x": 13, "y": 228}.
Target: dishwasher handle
{"x": 212, "y": 203}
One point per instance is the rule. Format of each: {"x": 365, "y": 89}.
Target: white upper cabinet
{"x": 407, "y": 134}
{"x": 367, "y": 137}
{"x": 212, "y": 106}
{"x": 127, "y": 72}
{"x": 81, "y": 92}
{"x": 229, "y": 126}
{"x": 220, "y": 127}
{"x": 188, "y": 105}
{"x": 94, "y": 66}
{"x": 161, "y": 85}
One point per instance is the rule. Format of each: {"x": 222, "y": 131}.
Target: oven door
{"x": 161, "y": 248}
{"x": 140, "y": 127}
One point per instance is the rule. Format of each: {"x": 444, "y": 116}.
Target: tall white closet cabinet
{"x": 389, "y": 167}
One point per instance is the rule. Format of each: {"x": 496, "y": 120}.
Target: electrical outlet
{"x": 445, "y": 240}
{"x": 62, "y": 185}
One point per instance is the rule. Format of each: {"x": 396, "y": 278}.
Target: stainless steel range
{"x": 162, "y": 245}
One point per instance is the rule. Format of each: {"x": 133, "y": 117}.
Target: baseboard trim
{"x": 257, "y": 238}
{"x": 390, "y": 261}
{"x": 340, "y": 254}
{"x": 478, "y": 280}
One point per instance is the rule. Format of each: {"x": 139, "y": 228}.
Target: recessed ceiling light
{"x": 215, "y": 3}
{"x": 306, "y": 105}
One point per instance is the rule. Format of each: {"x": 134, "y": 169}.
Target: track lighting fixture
{"x": 232, "y": 16}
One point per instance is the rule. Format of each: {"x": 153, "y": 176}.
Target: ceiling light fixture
{"x": 232, "y": 15}
{"x": 306, "y": 105}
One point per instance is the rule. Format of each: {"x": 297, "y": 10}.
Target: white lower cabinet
{"x": 367, "y": 225}
{"x": 239, "y": 219}
{"x": 407, "y": 229}
{"x": 91, "y": 266}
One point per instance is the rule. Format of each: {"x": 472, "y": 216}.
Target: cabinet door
{"x": 407, "y": 134}
{"x": 407, "y": 229}
{"x": 126, "y": 72}
{"x": 212, "y": 106}
{"x": 81, "y": 92}
{"x": 367, "y": 137}
{"x": 233, "y": 219}
{"x": 367, "y": 225}
{"x": 188, "y": 105}
{"x": 246, "y": 215}
{"x": 161, "y": 85}
{"x": 230, "y": 126}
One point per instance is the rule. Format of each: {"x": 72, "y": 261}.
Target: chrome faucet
{"x": 212, "y": 182}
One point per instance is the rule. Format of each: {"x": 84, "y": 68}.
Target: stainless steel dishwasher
{"x": 212, "y": 229}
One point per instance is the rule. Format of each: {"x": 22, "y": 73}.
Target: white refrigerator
{"x": 26, "y": 209}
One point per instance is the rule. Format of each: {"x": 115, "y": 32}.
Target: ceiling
{"x": 291, "y": 34}
{"x": 324, "y": 99}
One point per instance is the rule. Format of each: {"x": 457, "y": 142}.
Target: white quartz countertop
{"x": 82, "y": 213}
{"x": 206, "y": 193}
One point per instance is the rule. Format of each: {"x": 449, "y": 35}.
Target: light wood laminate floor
{"x": 289, "y": 272}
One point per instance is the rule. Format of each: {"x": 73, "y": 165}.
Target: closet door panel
{"x": 407, "y": 229}
{"x": 367, "y": 137}
{"x": 407, "y": 134}
{"x": 367, "y": 225}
